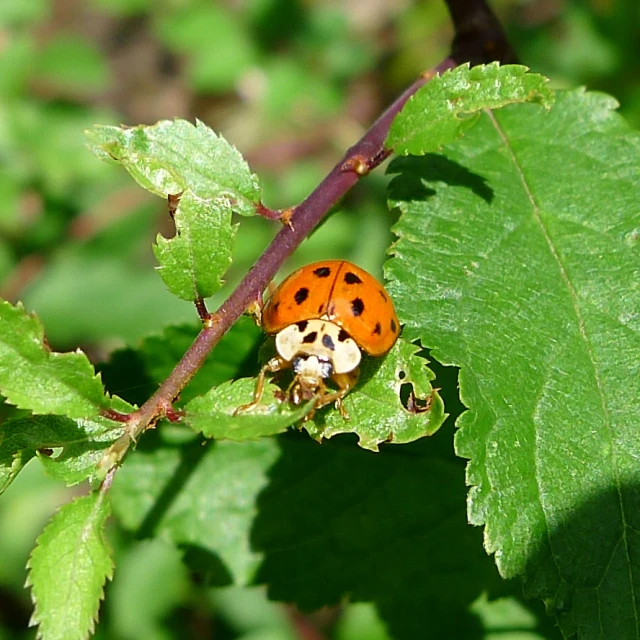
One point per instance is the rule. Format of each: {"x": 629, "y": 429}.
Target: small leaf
{"x": 68, "y": 569}
{"x": 376, "y": 412}
{"x": 83, "y": 442}
{"x": 450, "y": 104}
{"x": 209, "y": 179}
{"x": 190, "y": 264}
{"x": 35, "y": 378}
{"x": 213, "y": 414}
{"x": 175, "y": 156}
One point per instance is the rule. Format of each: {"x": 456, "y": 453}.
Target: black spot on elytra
{"x": 351, "y": 278}
{"x": 378, "y": 329}
{"x": 276, "y": 305}
{"x": 310, "y": 337}
{"x": 394, "y": 328}
{"x": 302, "y": 325}
{"x": 357, "y": 307}
{"x": 327, "y": 341}
{"x": 320, "y": 308}
{"x": 322, "y": 272}
{"x": 382, "y": 293}
{"x": 342, "y": 336}
{"x": 301, "y": 295}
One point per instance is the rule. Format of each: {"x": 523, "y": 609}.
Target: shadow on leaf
{"x": 387, "y": 528}
{"x": 585, "y": 568}
{"x": 416, "y": 170}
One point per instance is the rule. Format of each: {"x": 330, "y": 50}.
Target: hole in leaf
{"x": 411, "y": 402}
{"x": 51, "y": 452}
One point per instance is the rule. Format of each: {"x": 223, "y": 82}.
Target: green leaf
{"x": 376, "y": 412}
{"x": 212, "y": 180}
{"x": 68, "y": 569}
{"x": 521, "y": 244}
{"x": 210, "y": 500}
{"x": 175, "y": 156}
{"x": 35, "y": 378}
{"x": 450, "y": 104}
{"x": 213, "y": 413}
{"x": 189, "y": 265}
{"x": 388, "y": 529}
{"x": 82, "y": 443}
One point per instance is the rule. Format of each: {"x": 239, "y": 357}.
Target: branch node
{"x": 211, "y": 320}
{"x": 285, "y": 217}
{"x": 359, "y": 164}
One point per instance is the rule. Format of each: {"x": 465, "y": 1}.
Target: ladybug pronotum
{"x": 323, "y": 316}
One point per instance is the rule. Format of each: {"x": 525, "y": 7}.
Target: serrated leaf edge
{"x": 52, "y": 356}
{"x": 33, "y": 620}
{"x": 472, "y": 115}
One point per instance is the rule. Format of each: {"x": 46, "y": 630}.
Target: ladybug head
{"x": 310, "y": 373}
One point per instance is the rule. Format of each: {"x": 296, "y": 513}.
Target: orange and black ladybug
{"x": 322, "y": 316}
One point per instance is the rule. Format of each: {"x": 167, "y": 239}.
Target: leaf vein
{"x": 575, "y": 299}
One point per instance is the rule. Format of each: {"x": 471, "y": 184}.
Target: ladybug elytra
{"x": 323, "y": 316}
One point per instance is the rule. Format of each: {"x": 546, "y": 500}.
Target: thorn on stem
{"x": 254, "y": 309}
{"x": 285, "y": 217}
{"x": 358, "y": 164}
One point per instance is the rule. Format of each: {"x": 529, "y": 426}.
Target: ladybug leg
{"x": 334, "y": 396}
{"x": 275, "y": 364}
{"x": 345, "y": 382}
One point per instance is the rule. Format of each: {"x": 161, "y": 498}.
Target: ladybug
{"x": 323, "y": 316}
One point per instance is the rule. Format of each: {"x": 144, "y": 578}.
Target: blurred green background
{"x": 292, "y": 84}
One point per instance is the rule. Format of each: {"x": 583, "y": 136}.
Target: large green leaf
{"x": 34, "y": 377}
{"x": 317, "y": 523}
{"x": 450, "y": 104}
{"x": 68, "y": 570}
{"x": 520, "y": 243}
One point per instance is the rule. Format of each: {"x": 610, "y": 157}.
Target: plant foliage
{"x": 523, "y": 238}
{"x": 514, "y": 261}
